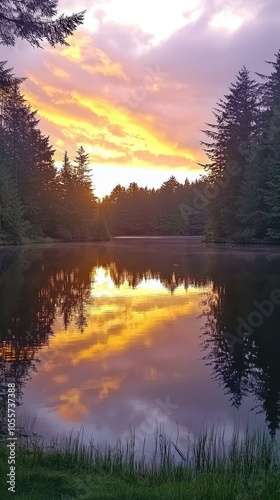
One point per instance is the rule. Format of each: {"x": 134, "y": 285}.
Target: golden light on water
{"x": 121, "y": 320}
{"x": 121, "y": 316}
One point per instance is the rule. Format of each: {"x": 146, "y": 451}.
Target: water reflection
{"x": 98, "y": 334}
{"x": 250, "y": 367}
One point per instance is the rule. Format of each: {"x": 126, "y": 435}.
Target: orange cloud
{"x": 160, "y": 159}
{"x": 80, "y": 119}
{"x": 79, "y": 96}
{"x": 71, "y": 408}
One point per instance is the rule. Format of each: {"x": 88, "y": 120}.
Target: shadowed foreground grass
{"x": 247, "y": 468}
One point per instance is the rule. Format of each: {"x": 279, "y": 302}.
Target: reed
{"x": 73, "y": 466}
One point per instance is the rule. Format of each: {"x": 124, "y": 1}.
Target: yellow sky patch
{"x": 140, "y": 134}
{"x": 144, "y": 132}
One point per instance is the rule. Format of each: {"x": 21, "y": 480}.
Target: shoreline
{"x": 193, "y": 241}
{"x": 249, "y": 468}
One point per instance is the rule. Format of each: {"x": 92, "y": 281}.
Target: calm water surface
{"x": 139, "y": 332}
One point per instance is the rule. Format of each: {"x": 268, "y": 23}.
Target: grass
{"x": 212, "y": 468}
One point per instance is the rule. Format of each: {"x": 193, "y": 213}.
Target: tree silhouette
{"x": 249, "y": 367}
{"x": 36, "y": 21}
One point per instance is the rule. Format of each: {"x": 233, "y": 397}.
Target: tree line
{"x": 237, "y": 198}
{"x": 37, "y": 200}
{"x": 243, "y": 173}
{"x": 140, "y": 211}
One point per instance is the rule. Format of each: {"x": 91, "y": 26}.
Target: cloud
{"x": 154, "y": 159}
{"x": 135, "y": 102}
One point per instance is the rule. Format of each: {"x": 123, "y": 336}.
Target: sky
{"x": 140, "y": 79}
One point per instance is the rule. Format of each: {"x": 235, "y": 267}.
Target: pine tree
{"x": 270, "y": 88}
{"x": 236, "y": 124}
{"x": 31, "y": 159}
{"x": 251, "y": 201}
{"x": 81, "y": 169}
{"x": 57, "y": 204}
{"x": 36, "y": 21}
{"x": 13, "y": 227}
{"x": 85, "y": 200}
{"x": 270, "y": 93}
{"x": 272, "y": 193}
{"x": 46, "y": 190}
{"x": 66, "y": 177}
{"x": 7, "y": 82}
{"x": 67, "y": 221}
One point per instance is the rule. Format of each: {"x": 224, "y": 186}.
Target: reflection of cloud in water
{"x": 132, "y": 343}
{"x": 138, "y": 345}
{"x": 120, "y": 316}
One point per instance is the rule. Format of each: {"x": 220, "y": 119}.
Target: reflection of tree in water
{"x": 232, "y": 366}
{"x": 133, "y": 264}
{"x": 16, "y": 366}
{"x": 38, "y": 287}
{"x": 134, "y": 278}
{"x": 34, "y": 291}
{"x": 250, "y": 367}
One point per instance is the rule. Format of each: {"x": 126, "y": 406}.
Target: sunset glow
{"x": 139, "y": 266}
{"x": 128, "y": 87}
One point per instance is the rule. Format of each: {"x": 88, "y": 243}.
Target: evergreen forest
{"x": 236, "y": 200}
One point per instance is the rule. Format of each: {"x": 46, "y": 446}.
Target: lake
{"x": 142, "y": 332}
